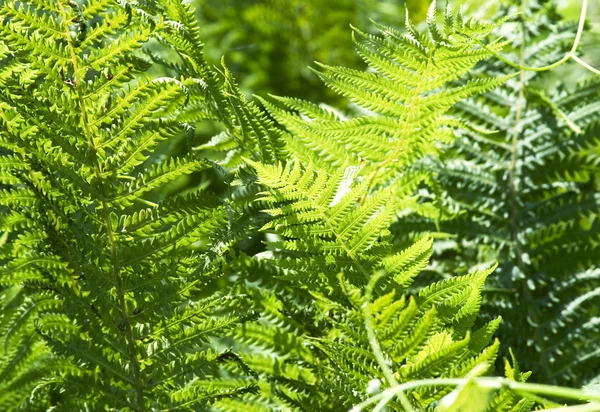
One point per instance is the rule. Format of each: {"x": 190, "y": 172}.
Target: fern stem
{"x": 375, "y": 346}
{"x": 566, "y": 58}
{"x": 107, "y": 223}
{"x": 512, "y": 200}
{"x": 366, "y": 309}
{"x": 492, "y": 383}
{"x": 368, "y": 320}
{"x": 586, "y": 65}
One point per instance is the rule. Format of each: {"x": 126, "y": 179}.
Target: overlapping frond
{"x": 248, "y": 131}
{"x": 331, "y": 246}
{"x": 527, "y": 196}
{"x": 123, "y": 289}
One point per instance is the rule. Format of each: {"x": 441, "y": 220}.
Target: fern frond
{"x": 135, "y": 305}
{"x": 526, "y": 196}
{"x": 406, "y": 99}
{"x": 322, "y": 228}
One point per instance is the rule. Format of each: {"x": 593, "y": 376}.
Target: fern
{"x": 27, "y": 363}
{"x": 527, "y": 196}
{"x": 129, "y": 320}
{"x": 332, "y": 250}
{"x": 404, "y": 100}
{"x": 127, "y": 284}
{"x": 492, "y": 189}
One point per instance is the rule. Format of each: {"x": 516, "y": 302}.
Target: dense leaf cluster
{"x": 527, "y": 196}
{"x": 131, "y": 278}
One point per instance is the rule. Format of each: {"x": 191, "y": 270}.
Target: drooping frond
{"x": 248, "y": 131}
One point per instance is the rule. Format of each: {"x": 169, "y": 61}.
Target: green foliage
{"x": 270, "y": 44}
{"x": 518, "y": 186}
{"x": 112, "y": 283}
{"x": 339, "y": 254}
{"x": 404, "y": 99}
{"x": 26, "y": 363}
{"x": 131, "y": 274}
{"x": 527, "y": 196}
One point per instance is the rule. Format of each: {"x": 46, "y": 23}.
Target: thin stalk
{"x": 492, "y": 383}
{"x": 586, "y": 65}
{"x": 567, "y": 57}
{"x": 368, "y": 320}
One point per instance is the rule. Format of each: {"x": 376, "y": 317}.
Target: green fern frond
{"x": 405, "y": 100}
{"x": 526, "y": 196}
{"x": 132, "y": 276}
{"x": 135, "y": 306}
{"x": 322, "y": 228}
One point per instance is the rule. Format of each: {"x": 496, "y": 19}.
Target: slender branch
{"x": 586, "y": 65}
{"x": 492, "y": 383}
{"x": 567, "y": 57}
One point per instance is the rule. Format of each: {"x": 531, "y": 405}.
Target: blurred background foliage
{"x": 270, "y": 45}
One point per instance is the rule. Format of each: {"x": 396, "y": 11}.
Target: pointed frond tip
{"x": 406, "y": 98}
